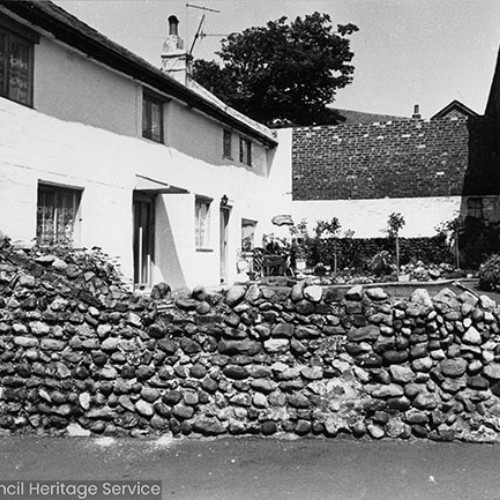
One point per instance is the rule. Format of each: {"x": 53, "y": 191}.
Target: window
{"x": 247, "y": 235}
{"x": 152, "y": 117}
{"x": 202, "y": 223}
{"x": 475, "y": 208}
{"x": 16, "y": 63}
{"x": 227, "y": 151}
{"x": 245, "y": 151}
{"x": 57, "y": 220}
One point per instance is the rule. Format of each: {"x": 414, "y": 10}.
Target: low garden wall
{"x": 80, "y": 354}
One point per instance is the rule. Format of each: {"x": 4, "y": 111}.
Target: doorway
{"x": 225, "y": 212}
{"x": 144, "y": 238}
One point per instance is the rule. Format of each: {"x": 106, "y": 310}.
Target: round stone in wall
{"x": 376, "y": 293}
{"x": 492, "y": 371}
{"x": 235, "y": 295}
{"x": 454, "y": 367}
{"x": 313, "y": 293}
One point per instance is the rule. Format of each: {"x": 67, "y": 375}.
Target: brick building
{"x": 428, "y": 170}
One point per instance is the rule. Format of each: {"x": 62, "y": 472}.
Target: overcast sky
{"x": 407, "y": 52}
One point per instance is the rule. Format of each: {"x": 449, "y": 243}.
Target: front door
{"x": 224, "y": 240}
{"x": 144, "y": 238}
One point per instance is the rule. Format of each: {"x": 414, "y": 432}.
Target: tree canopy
{"x": 282, "y": 72}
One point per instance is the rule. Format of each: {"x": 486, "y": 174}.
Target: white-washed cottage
{"x": 100, "y": 148}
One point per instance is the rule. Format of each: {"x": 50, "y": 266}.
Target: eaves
{"x": 73, "y": 32}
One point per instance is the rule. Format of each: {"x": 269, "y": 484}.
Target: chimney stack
{"x": 175, "y": 61}
{"x": 416, "y": 112}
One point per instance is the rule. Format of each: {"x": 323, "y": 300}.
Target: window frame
{"x": 14, "y": 32}
{"x": 203, "y": 243}
{"x": 245, "y": 156}
{"x": 476, "y": 211}
{"x": 253, "y": 224}
{"x": 227, "y": 144}
{"x": 151, "y": 98}
{"x": 58, "y": 190}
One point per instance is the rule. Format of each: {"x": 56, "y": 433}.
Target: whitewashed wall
{"x": 368, "y": 218}
{"x": 36, "y": 147}
{"x": 71, "y": 86}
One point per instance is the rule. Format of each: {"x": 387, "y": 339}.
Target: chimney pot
{"x": 173, "y": 26}
{"x": 416, "y": 112}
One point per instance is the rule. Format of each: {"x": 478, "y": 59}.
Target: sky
{"x": 407, "y": 52}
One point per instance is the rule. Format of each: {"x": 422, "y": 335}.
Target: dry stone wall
{"x": 80, "y": 354}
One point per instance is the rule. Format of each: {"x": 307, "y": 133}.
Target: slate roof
{"x": 353, "y": 117}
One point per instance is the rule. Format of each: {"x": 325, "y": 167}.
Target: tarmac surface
{"x": 254, "y": 468}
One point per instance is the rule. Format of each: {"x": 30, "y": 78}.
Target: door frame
{"x": 143, "y": 262}
{"x": 224, "y": 219}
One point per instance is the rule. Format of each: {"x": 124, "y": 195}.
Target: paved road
{"x": 265, "y": 469}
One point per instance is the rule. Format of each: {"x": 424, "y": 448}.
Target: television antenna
{"x": 199, "y": 32}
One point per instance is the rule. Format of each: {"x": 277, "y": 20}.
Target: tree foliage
{"x": 394, "y": 224}
{"x": 282, "y": 72}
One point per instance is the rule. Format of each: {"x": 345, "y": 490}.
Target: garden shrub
{"x": 320, "y": 270}
{"x": 382, "y": 263}
{"x": 358, "y": 252}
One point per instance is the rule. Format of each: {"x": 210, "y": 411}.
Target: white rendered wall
{"x": 193, "y": 133}
{"x": 36, "y": 147}
{"x": 72, "y": 87}
{"x": 368, "y": 218}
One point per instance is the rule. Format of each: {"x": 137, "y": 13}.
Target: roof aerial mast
{"x": 199, "y": 32}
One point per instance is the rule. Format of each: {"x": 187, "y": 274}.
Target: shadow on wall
{"x": 482, "y": 176}
{"x": 480, "y": 202}
{"x": 167, "y": 256}
{"x": 481, "y": 182}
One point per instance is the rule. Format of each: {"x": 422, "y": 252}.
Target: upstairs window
{"x": 57, "y": 219}
{"x": 202, "y": 223}
{"x": 152, "y": 117}
{"x": 245, "y": 151}
{"x": 16, "y": 63}
{"x": 227, "y": 144}
{"x": 475, "y": 208}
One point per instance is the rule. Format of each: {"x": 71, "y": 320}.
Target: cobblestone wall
{"x": 79, "y": 354}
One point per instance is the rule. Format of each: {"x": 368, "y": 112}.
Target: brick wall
{"x": 396, "y": 159}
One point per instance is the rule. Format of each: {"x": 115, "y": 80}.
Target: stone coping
{"x": 408, "y": 286}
